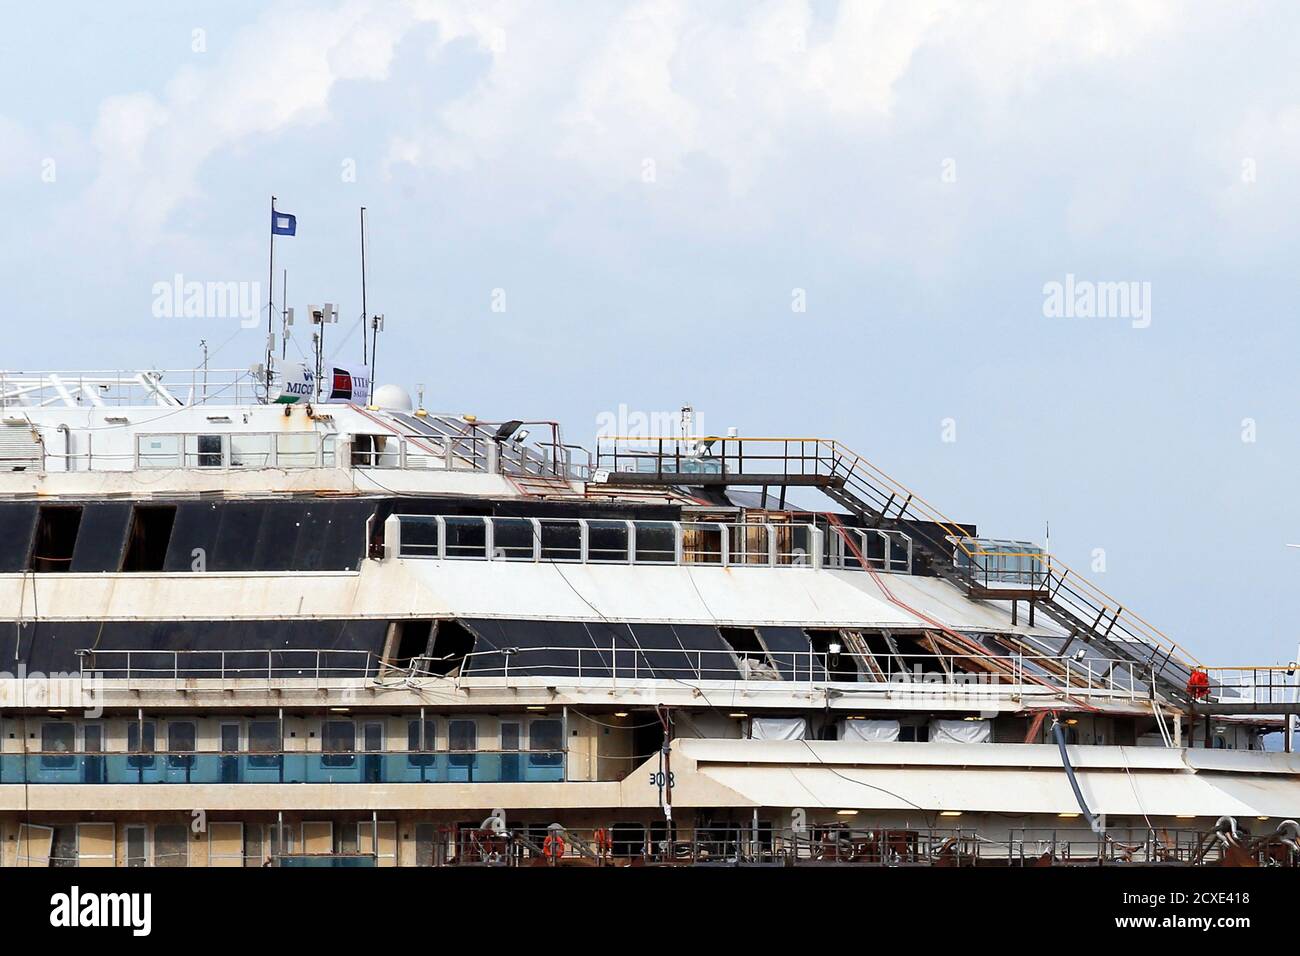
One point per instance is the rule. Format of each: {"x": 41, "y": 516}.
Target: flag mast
{"x": 270, "y": 304}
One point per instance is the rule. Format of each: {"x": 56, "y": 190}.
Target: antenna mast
{"x": 364, "y": 353}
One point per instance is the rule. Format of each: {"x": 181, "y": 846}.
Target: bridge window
{"x": 56, "y": 537}
{"x": 250, "y": 451}
{"x": 561, "y": 540}
{"x": 466, "y": 538}
{"x": 656, "y": 542}
{"x": 607, "y": 540}
{"x": 204, "y": 451}
{"x": 512, "y": 539}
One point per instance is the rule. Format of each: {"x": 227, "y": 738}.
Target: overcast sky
{"x": 799, "y": 217}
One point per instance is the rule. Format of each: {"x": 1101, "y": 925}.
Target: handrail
{"x": 1015, "y": 675}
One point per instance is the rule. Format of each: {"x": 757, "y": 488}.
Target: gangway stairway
{"x": 881, "y": 503}
{"x": 1082, "y": 610}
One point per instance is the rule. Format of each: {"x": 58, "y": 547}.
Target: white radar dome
{"x": 394, "y": 398}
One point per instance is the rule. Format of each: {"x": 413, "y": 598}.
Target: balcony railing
{"x": 230, "y": 669}
{"x": 973, "y": 677}
{"x": 162, "y": 767}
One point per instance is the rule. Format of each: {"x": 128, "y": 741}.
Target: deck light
{"x": 507, "y": 429}
{"x": 846, "y": 813}
{"x": 949, "y": 813}
{"x": 1067, "y": 816}
{"x": 620, "y": 713}
{"x": 738, "y": 714}
{"x": 535, "y": 707}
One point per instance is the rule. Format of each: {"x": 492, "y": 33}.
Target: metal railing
{"x": 230, "y": 669}
{"x": 172, "y": 388}
{"x": 1265, "y": 686}
{"x": 337, "y": 767}
{"x": 747, "y": 844}
{"x": 956, "y": 676}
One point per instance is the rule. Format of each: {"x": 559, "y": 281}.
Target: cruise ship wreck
{"x": 239, "y": 632}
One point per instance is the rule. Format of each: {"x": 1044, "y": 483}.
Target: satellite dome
{"x": 394, "y": 398}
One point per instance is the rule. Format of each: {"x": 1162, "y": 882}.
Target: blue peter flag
{"x": 283, "y": 224}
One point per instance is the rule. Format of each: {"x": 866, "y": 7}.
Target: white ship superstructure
{"x": 379, "y": 635}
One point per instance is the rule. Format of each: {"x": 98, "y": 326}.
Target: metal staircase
{"x": 948, "y": 549}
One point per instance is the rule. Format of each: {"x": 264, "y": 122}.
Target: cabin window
{"x": 151, "y": 533}
{"x": 913, "y": 733}
{"x": 58, "y": 743}
{"x": 158, "y": 451}
{"x": 264, "y": 739}
{"x": 545, "y": 743}
{"x": 426, "y": 841}
{"x": 296, "y": 450}
{"x": 374, "y": 451}
{"x": 420, "y": 755}
{"x": 63, "y": 851}
{"x": 171, "y": 845}
{"x": 204, "y": 451}
{"x": 56, "y": 536}
{"x": 462, "y": 735}
{"x": 180, "y": 742}
{"x": 338, "y": 743}
{"x": 250, "y": 451}
{"x": 253, "y": 845}
{"x": 137, "y": 846}
{"x": 140, "y": 741}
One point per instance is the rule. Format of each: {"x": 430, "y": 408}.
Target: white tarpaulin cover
{"x": 960, "y": 731}
{"x": 779, "y": 728}
{"x": 871, "y": 731}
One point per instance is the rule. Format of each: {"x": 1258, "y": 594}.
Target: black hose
{"x": 1069, "y": 772}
